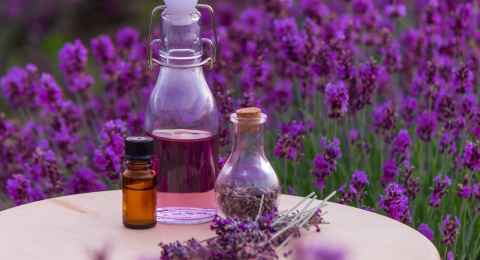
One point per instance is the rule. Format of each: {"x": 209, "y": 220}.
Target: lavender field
{"x": 376, "y": 99}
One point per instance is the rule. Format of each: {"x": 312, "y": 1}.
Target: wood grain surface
{"x": 72, "y": 227}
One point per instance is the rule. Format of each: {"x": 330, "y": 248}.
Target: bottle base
{"x": 139, "y": 226}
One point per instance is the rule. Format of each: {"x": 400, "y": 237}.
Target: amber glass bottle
{"x": 138, "y": 184}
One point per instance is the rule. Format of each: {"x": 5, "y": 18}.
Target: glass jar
{"x": 183, "y": 119}
{"x": 247, "y": 183}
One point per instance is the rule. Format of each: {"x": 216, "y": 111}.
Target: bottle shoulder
{"x": 182, "y": 99}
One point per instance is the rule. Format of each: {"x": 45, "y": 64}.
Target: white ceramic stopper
{"x": 181, "y": 7}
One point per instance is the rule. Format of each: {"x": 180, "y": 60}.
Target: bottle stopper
{"x": 139, "y": 147}
{"x": 249, "y": 113}
{"x": 181, "y": 11}
{"x": 249, "y": 119}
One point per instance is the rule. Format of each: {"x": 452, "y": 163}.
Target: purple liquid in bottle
{"x": 186, "y": 171}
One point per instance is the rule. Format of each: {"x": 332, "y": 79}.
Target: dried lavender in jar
{"x": 245, "y": 202}
{"x": 247, "y": 183}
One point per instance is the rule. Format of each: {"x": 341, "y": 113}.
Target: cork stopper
{"x": 249, "y": 119}
{"x": 247, "y": 113}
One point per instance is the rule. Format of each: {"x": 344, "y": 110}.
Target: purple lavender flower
{"x": 109, "y": 162}
{"x": 447, "y": 144}
{"x": 322, "y": 168}
{"x": 471, "y": 156}
{"x": 445, "y": 106}
{"x": 20, "y": 189}
{"x": 49, "y": 93}
{"x": 348, "y": 194}
{"x": 359, "y": 180}
{"x": 103, "y": 49}
{"x": 401, "y": 145}
{"x": 384, "y": 119}
{"x": 397, "y": 9}
{"x": 282, "y": 94}
{"x": 127, "y": 37}
{"x": 336, "y": 99}
{"x": 73, "y": 61}
{"x": 450, "y": 255}
{"x": 449, "y": 229}
{"x": 476, "y": 190}
{"x": 290, "y": 143}
{"x": 464, "y": 80}
{"x": 426, "y": 231}
{"x": 464, "y": 190}
{"x": 109, "y": 157}
{"x": 73, "y": 58}
{"x": 331, "y": 149}
{"x": 441, "y": 184}
{"x": 395, "y": 202}
{"x": 84, "y": 180}
{"x": 353, "y": 136}
{"x": 251, "y": 21}
{"x": 18, "y": 86}
{"x": 325, "y": 162}
{"x": 468, "y": 105}
{"x": 390, "y": 172}
{"x": 408, "y": 109}
{"x": 113, "y": 134}
{"x": 426, "y": 126}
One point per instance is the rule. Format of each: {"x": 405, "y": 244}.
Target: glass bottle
{"x": 138, "y": 184}
{"x": 183, "y": 119}
{"x": 247, "y": 181}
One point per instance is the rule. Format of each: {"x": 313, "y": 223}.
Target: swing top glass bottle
{"x": 182, "y": 117}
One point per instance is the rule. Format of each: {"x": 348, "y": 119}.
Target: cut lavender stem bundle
{"x": 252, "y": 238}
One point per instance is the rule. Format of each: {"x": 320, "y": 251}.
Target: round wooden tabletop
{"x": 72, "y": 227}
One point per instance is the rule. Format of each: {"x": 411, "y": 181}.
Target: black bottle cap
{"x": 138, "y": 148}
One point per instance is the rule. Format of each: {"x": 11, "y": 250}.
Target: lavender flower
{"x": 390, "y": 172}
{"x": 20, "y": 190}
{"x": 103, "y": 49}
{"x": 400, "y": 146}
{"x": 395, "y": 203}
{"x": 348, "y": 194}
{"x": 359, "y": 180}
{"x": 471, "y": 156}
{"x": 408, "y": 109}
{"x": 19, "y": 85}
{"x": 447, "y": 144}
{"x": 353, "y": 136}
{"x": 450, "y": 255}
{"x": 384, "y": 119}
{"x": 49, "y": 93}
{"x": 464, "y": 190}
{"x": 336, "y": 99}
{"x": 109, "y": 157}
{"x": 426, "y": 231}
{"x": 84, "y": 180}
{"x": 426, "y": 126}
{"x": 282, "y": 94}
{"x": 396, "y": 9}
{"x": 449, "y": 228}
{"x": 290, "y": 144}
{"x": 127, "y": 37}
{"x": 441, "y": 184}
{"x": 73, "y": 58}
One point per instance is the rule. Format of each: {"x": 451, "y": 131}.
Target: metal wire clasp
{"x": 211, "y": 43}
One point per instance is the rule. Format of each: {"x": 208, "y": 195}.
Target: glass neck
{"x": 139, "y": 165}
{"x": 248, "y": 139}
{"x": 181, "y": 42}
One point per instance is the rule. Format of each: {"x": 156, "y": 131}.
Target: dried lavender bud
{"x": 244, "y": 202}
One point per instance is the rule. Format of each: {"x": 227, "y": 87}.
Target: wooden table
{"x": 72, "y": 227}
